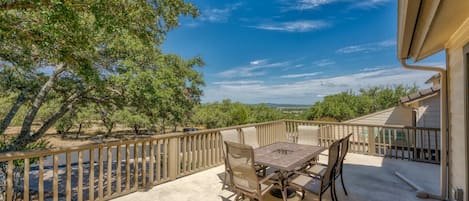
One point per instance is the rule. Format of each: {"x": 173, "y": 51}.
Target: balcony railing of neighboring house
{"x": 117, "y": 168}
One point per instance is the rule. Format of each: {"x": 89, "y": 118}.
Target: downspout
{"x": 443, "y": 130}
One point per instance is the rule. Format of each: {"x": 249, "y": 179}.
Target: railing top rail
{"x": 356, "y": 124}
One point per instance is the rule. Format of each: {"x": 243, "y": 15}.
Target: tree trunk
{"x": 24, "y": 140}
{"x": 39, "y": 100}
{"x": 136, "y": 129}
{"x": 109, "y": 129}
{"x": 20, "y": 100}
{"x": 79, "y": 130}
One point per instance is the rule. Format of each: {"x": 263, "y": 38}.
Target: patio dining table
{"x": 285, "y": 157}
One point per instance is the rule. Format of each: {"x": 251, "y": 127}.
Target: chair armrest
{"x": 263, "y": 180}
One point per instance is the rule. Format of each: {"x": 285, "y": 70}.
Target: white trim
{"x": 460, "y": 36}
{"x": 466, "y": 109}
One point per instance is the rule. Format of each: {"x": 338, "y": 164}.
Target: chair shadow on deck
{"x": 373, "y": 178}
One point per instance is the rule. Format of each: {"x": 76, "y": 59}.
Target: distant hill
{"x": 276, "y": 105}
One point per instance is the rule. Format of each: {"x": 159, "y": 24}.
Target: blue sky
{"x": 293, "y": 51}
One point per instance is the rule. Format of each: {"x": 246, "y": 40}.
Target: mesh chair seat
{"x": 318, "y": 170}
{"x": 310, "y": 184}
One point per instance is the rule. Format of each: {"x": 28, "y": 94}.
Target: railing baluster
{"x": 407, "y": 139}
{"x": 68, "y": 185}
{"x": 135, "y": 165}
{"x": 26, "y": 179}
{"x": 41, "y": 178}
{"x": 144, "y": 164}
{"x": 101, "y": 173}
{"x": 119, "y": 169}
{"x": 55, "y": 179}
{"x": 10, "y": 189}
{"x": 109, "y": 171}
{"x": 165, "y": 159}
{"x": 91, "y": 188}
{"x": 152, "y": 162}
{"x": 127, "y": 167}
{"x": 80, "y": 176}
{"x": 437, "y": 155}
{"x": 184, "y": 155}
{"x": 158, "y": 161}
{"x": 429, "y": 146}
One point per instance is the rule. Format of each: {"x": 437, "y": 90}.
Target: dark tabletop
{"x": 285, "y": 155}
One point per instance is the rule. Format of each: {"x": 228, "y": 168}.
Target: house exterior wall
{"x": 428, "y": 112}
{"x": 399, "y": 115}
{"x": 457, "y": 103}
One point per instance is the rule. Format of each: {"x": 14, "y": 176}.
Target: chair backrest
{"x": 344, "y": 145}
{"x": 240, "y": 159}
{"x": 231, "y": 135}
{"x": 250, "y": 137}
{"x": 328, "y": 177}
{"x": 308, "y": 135}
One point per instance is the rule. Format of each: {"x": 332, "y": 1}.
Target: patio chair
{"x": 318, "y": 184}
{"x": 246, "y": 182}
{"x": 344, "y": 146}
{"x": 231, "y": 135}
{"x": 308, "y": 135}
{"x": 250, "y": 136}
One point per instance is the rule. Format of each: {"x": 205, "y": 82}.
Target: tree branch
{"x": 24, "y": 140}
{"x": 39, "y": 100}
{"x": 20, "y": 100}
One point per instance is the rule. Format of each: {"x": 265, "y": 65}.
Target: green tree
{"x": 79, "y": 45}
{"x": 132, "y": 119}
{"x": 348, "y": 105}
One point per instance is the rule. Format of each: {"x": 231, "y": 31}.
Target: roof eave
{"x": 407, "y": 18}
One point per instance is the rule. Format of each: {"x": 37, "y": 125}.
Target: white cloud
{"x": 368, "y": 69}
{"x": 365, "y": 4}
{"x": 255, "y": 68}
{"x": 258, "y": 62}
{"x": 305, "y": 4}
{"x": 300, "y": 75}
{"x": 311, "y": 90}
{"x": 291, "y": 5}
{"x": 218, "y": 15}
{"x": 239, "y": 82}
{"x": 367, "y": 47}
{"x": 293, "y": 26}
{"x": 323, "y": 62}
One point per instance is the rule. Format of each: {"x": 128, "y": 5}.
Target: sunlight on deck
{"x": 366, "y": 178}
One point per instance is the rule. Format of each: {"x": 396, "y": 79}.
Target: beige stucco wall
{"x": 458, "y": 169}
{"x": 399, "y": 115}
{"x": 428, "y": 112}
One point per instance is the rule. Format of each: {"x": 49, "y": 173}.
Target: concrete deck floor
{"x": 366, "y": 178}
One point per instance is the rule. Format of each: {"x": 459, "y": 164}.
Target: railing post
{"x": 371, "y": 141}
{"x": 173, "y": 153}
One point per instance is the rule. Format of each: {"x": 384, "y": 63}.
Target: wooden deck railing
{"x": 105, "y": 171}
{"x": 412, "y": 143}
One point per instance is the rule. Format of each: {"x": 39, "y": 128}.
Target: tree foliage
{"x": 70, "y": 53}
{"x": 348, "y": 104}
{"x": 227, "y": 113}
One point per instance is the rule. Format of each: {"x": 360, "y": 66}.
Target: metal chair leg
{"x": 335, "y": 194}
{"x": 224, "y": 182}
{"x": 343, "y": 186}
